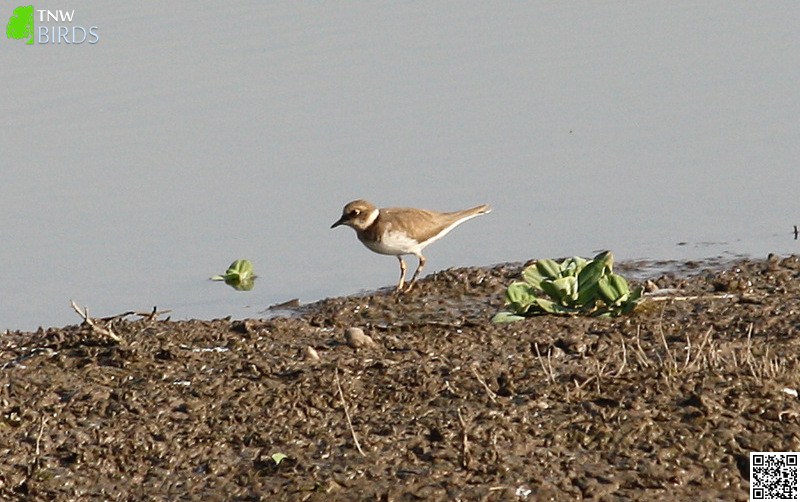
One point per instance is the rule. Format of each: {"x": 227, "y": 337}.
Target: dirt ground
{"x": 664, "y": 404}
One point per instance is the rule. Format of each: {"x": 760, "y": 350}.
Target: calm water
{"x": 135, "y": 168}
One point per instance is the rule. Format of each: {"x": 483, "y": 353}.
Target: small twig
{"x": 347, "y": 414}
{"x": 641, "y": 355}
{"x": 464, "y": 323}
{"x": 750, "y": 342}
{"x": 95, "y": 327}
{"x": 624, "y": 358}
{"x": 588, "y": 380}
{"x": 548, "y": 374}
{"x": 703, "y": 344}
{"x": 464, "y": 441}
{"x": 450, "y": 388}
{"x": 117, "y": 316}
{"x": 673, "y": 364}
{"x": 155, "y": 313}
{"x": 663, "y": 298}
{"x": 601, "y": 372}
{"x": 144, "y": 315}
{"x": 489, "y": 391}
{"x": 39, "y": 437}
{"x": 756, "y": 374}
{"x": 688, "y": 351}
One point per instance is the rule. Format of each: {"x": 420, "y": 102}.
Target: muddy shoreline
{"x": 439, "y": 404}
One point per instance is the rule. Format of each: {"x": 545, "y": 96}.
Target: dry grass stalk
{"x": 95, "y": 327}
{"x": 465, "y": 456}
{"x": 549, "y": 373}
{"x": 641, "y": 355}
{"x": 39, "y": 437}
{"x": 624, "y": 358}
{"x": 347, "y": 413}
{"x": 489, "y": 392}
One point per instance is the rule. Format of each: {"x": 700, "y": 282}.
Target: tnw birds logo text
{"x": 44, "y": 26}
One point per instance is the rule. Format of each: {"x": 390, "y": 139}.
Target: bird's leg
{"x": 402, "y": 273}
{"x": 416, "y": 272}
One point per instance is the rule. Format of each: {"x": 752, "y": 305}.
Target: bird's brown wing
{"x": 424, "y": 224}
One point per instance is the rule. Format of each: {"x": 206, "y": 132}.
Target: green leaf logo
{"x": 20, "y": 24}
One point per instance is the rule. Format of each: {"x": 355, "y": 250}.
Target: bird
{"x": 401, "y": 231}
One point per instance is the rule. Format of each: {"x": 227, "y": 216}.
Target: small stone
{"x": 355, "y": 338}
{"x": 311, "y": 353}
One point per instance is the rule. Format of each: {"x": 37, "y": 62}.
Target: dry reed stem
{"x": 549, "y": 374}
{"x": 624, "y": 358}
{"x": 95, "y": 327}
{"x": 465, "y": 457}
{"x": 489, "y": 392}
{"x": 347, "y": 413}
{"x": 39, "y": 437}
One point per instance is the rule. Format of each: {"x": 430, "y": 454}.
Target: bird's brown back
{"x": 421, "y": 224}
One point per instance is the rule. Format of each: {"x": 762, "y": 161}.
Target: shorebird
{"x": 400, "y": 231}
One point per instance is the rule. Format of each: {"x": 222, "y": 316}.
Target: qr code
{"x": 773, "y": 476}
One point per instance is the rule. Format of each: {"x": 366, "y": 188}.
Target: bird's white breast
{"x": 394, "y": 243}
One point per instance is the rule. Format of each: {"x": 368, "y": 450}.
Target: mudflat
{"x": 426, "y": 400}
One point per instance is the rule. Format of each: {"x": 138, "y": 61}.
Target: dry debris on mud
{"x": 665, "y": 403}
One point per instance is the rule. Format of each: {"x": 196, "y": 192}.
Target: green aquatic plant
{"x": 576, "y": 286}
{"x": 278, "y": 457}
{"x": 239, "y": 276}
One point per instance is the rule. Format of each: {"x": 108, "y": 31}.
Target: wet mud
{"x": 375, "y": 397}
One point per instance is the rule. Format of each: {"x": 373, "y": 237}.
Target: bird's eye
{"x": 355, "y": 212}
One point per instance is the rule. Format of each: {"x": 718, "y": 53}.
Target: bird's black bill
{"x": 341, "y": 220}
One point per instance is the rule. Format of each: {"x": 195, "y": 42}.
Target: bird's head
{"x": 358, "y": 214}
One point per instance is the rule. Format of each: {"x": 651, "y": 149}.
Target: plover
{"x": 400, "y": 231}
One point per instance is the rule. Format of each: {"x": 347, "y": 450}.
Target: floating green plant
{"x": 239, "y": 276}
{"x": 576, "y": 286}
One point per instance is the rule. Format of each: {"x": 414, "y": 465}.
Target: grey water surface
{"x": 133, "y": 169}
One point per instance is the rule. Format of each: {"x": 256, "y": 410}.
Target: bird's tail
{"x": 482, "y": 209}
{"x": 467, "y": 214}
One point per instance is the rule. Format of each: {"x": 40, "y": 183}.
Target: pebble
{"x": 311, "y": 353}
{"x": 355, "y": 338}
